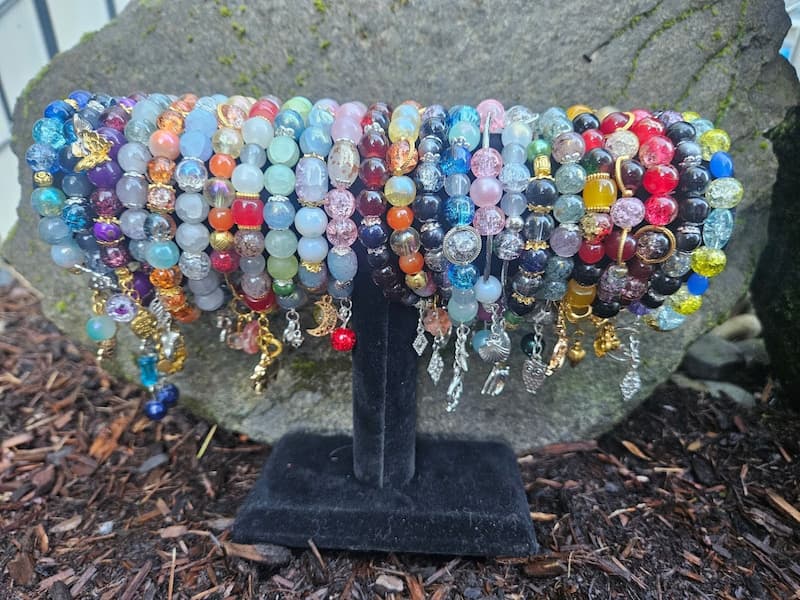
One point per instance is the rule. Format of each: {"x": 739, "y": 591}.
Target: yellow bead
{"x": 221, "y": 240}
{"x": 685, "y": 303}
{"x": 416, "y": 280}
{"x": 714, "y": 140}
{"x": 708, "y": 262}
{"x": 403, "y": 129}
{"x": 602, "y": 113}
{"x": 599, "y": 193}
{"x": 577, "y": 109}
{"x": 690, "y": 116}
{"x": 579, "y": 296}
{"x": 400, "y": 190}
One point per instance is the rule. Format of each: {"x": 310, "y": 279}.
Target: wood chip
{"x": 172, "y": 531}
{"x": 544, "y": 566}
{"x": 17, "y": 440}
{"x": 268, "y": 554}
{"x": 415, "y": 589}
{"x": 783, "y": 505}
{"x": 67, "y": 525}
{"x": 543, "y": 517}
{"x": 107, "y": 440}
{"x": 21, "y": 569}
{"x": 634, "y": 449}
{"x": 130, "y": 591}
{"x": 389, "y": 584}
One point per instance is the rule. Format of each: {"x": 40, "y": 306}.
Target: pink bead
{"x": 486, "y": 162}
{"x": 165, "y": 143}
{"x": 342, "y": 232}
{"x": 347, "y": 128}
{"x": 343, "y": 163}
{"x": 353, "y": 110}
{"x": 328, "y": 104}
{"x": 339, "y": 204}
{"x": 489, "y": 220}
{"x": 627, "y": 212}
{"x": 658, "y": 150}
{"x": 494, "y": 108}
{"x": 486, "y": 191}
{"x": 640, "y": 113}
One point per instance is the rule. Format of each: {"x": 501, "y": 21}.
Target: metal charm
{"x": 421, "y": 341}
{"x": 631, "y": 383}
{"x": 293, "y": 333}
{"x": 460, "y": 366}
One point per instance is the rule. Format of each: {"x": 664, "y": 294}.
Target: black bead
{"x": 693, "y": 209}
{"x": 651, "y": 301}
{"x": 585, "y": 121}
{"x": 518, "y": 307}
{"x": 542, "y": 192}
{"x": 598, "y": 160}
{"x": 432, "y": 237}
{"x": 680, "y": 131}
{"x": 664, "y": 284}
{"x": 379, "y": 258}
{"x": 605, "y": 310}
{"x": 694, "y": 180}
{"x": 687, "y": 153}
{"x": 528, "y": 343}
{"x": 409, "y": 298}
{"x": 688, "y": 237}
{"x": 586, "y": 274}
{"x": 426, "y": 207}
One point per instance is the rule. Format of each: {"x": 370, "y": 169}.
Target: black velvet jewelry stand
{"x": 385, "y": 488}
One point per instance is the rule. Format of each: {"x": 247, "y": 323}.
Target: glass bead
{"x": 677, "y": 265}
{"x": 457, "y": 184}
{"x": 513, "y": 153}
{"x": 517, "y": 132}
{"x": 465, "y": 133}
{"x": 568, "y": 147}
{"x": 480, "y": 339}
{"x": 514, "y": 177}
{"x": 100, "y": 328}
{"x": 405, "y": 241}
{"x": 598, "y": 160}
{"x": 486, "y": 191}
{"x": 283, "y": 150}
{"x": 535, "y": 261}
{"x": 708, "y": 262}
{"x": 279, "y": 180}
{"x": 660, "y": 179}
{"x": 461, "y": 113}
{"x": 664, "y": 318}
{"x": 159, "y": 227}
{"x": 596, "y": 226}
{"x": 253, "y": 154}
{"x": 552, "y": 290}
{"x": 658, "y": 150}
{"x": 718, "y": 228}
{"x": 622, "y": 143}
{"x": 725, "y": 192}
{"x": 258, "y": 130}
{"x": 486, "y": 162}
{"x": 339, "y": 204}
{"x": 538, "y": 147}
{"x": 489, "y": 220}
{"x": 721, "y": 165}
{"x": 712, "y": 141}
{"x": 566, "y": 240}
{"x": 693, "y": 180}
{"x": 192, "y": 237}
{"x": 660, "y": 210}
{"x": 493, "y": 108}
{"x": 401, "y": 157}
{"x": 311, "y": 180}
{"x": 134, "y": 156}
{"x": 458, "y": 210}
{"x": 429, "y": 177}
{"x": 373, "y": 144}
{"x": 558, "y": 267}
{"x": 627, "y": 212}
{"x": 513, "y": 204}
{"x": 507, "y": 245}
{"x": 668, "y": 117}
{"x": 684, "y": 302}
{"x": 312, "y": 249}
{"x": 195, "y": 144}
{"x": 256, "y": 285}
{"x": 488, "y": 290}
{"x": 76, "y": 184}
{"x": 204, "y": 285}
{"x": 289, "y": 124}
{"x": 455, "y": 159}
{"x": 612, "y": 282}
{"x": 687, "y": 154}
{"x": 282, "y": 268}
{"x": 681, "y": 131}
{"x": 401, "y": 128}
{"x": 191, "y": 174}
{"x": 67, "y": 254}
{"x": 599, "y": 193}
{"x": 132, "y": 191}
{"x": 538, "y": 226}
{"x": 310, "y": 221}
{"x": 211, "y": 301}
{"x": 300, "y": 104}
{"x": 617, "y": 248}
{"x": 653, "y": 245}
{"x": 41, "y": 157}
{"x": 52, "y": 230}
{"x": 315, "y": 140}
{"x": 163, "y": 254}
{"x": 48, "y": 201}
{"x": 521, "y": 113}
{"x": 294, "y": 300}
{"x": 49, "y": 132}
{"x": 342, "y": 233}
{"x": 570, "y": 178}
{"x": 463, "y": 277}
{"x": 197, "y": 267}
{"x": 138, "y": 130}
{"x": 343, "y": 163}
{"x": 400, "y": 190}
{"x": 121, "y": 308}
{"x": 148, "y": 373}
{"x": 647, "y": 128}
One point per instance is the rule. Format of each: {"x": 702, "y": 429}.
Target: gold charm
{"x": 91, "y": 147}
{"x": 271, "y": 348}
{"x": 561, "y": 345}
{"x": 606, "y": 339}
{"x": 325, "y": 316}
{"x": 576, "y": 353}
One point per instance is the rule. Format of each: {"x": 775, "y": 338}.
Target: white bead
{"x": 192, "y": 237}
{"x": 257, "y": 130}
{"x": 247, "y": 179}
{"x": 311, "y": 221}
{"x": 191, "y": 208}
{"x": 312, "y": 249}
{"x": 488, "y": 291}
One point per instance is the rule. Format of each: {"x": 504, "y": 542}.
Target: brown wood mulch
{"x": 690, "y": 498}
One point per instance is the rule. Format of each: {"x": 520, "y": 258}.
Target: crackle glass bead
{"x": 507, "y": 245}
{"x": 677, "y": 265}
{"x": 554, "y": 127}
{"x": 191, "y": 208}
{"x": 279, "y": 180}
{"x": 708, "y": 262}
{"x": 463, "y": 277}
{"x": 684, "y": 302}
{"x": 660, "y": 179}
{"x": 713, "y": 140}
{"x": 570, "y": 178}
{"x": 283, "y": 150}
{"x": 718, "y": 228}
{"x": 458, "y": 210}
{"x": 627, "y": 212}
{"x": 191, "y": 237}
{"x": 622, "y": 143}
{"x": 41, "y": 157}
{"x": 568, "y": 147}
{"x": 725, "y": 192}
{"x": 514, "y": 177}
{"x": 455, "y": 159}
{"x": 339, "y": 204}
{"x": 660, "y": 210}
{"x": 138, "y": 130}
{"x": 486, "y": 162}
{"x": 566, "y": 240}
{"x": 664, "y": 318}
{"x": 658, "y": 150}
{"x": 48, "y": 201}
{"x": 196, "y": 266}
{"x": 489, "y": 220}
{"x": 341, "y": 232}
{"x": 191, "y": 174}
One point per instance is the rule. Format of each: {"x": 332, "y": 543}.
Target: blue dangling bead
{"x": 168, "y": 394}
{"x": 155, "y": 410}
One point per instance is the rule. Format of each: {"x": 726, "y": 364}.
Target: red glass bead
{"x": 660, "y": 210}
{"x": 343, "y": 339}
{"x": 593, "y": 138}
{"x": 373, "y": 173}
{"x": 646, "y": 128}
{"x": 224, "y": 261}
{"x": 266, "y": 304}
{"x": 661, "y": 179}
{"x": 640, "y": 113}
{"x": 370, "y": 203}
{"x": 612, "y": 244}
{"x": 373, "y": 145}
{"x": 264, "y": 108}
{"x": 248, "y": 212}
{"x": 658, "y": 150}
{"x": 106, "y": 203}
{"x": 596, "y": 226}
{"x": 591, "y": 253}
{"x": 614, "y": 121}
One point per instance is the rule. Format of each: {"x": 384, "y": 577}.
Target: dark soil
{"x": 689, "y": 498}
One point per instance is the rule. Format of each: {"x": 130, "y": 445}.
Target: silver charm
{"x": 460, "y": 366}
{"x": 534, "y": 370}
{"x": 631, "y": 383}
{"x": 224, "y": 323}
{"x": 421, "y": 341}
{"x": 496, "y": 350}
{"x": 293, "y": 333}
{"x": 436, "y": 364}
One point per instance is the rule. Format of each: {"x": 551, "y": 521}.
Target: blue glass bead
{"x": 700, "y": 127}
{"x": 77, "y": 216}
{"x": 558, "y": 267}
{"x": 462, "y": 276}
{"x": 50, "y": 132}
{"x": 534, "y": 261}
{"x": 218, "y": 99}
{"x": 312, "y": 280}
{"x": 697, "y": 284}
{"x": 168, "y": 394}
{"x": 322, "y": 118}
{"x": 209, "y": 103}
{"x": 340, "y": 289}
{"x": 290, "y": 120}
{"x": 87, "y": 242}
{"x": 59, "y": 110}
{"x": 667, "y": 319}
{"x": 480, "y": 338}
{"x": 373, "y": 235}
{"x": 92, "y": 115}
{"x": 155, "y": 410}
{"x": 462, "y": 312}
{"x": 721, "y": 165}
{"x": 196, "y": 144}
{"x": 47, "y": 201}
{"x": 146, "y": 110}
{"x": 140, "y": 131}
{"x": 162, "y": 255}
{"x": 81, "y": 97}
{"x": 458, "y": 210}
{"x": 315, "y": 140}
{"x": 52, "y": 230}
{"x": 279, "y": 214}
{"x": 343, "y": 266}
{"x": 41, "y": 157}
{"x": 253, "y": 154}
{"x": 138, "y": 249}
{"x": 66, "y": 255}
{"x": 460, "y": 112}
{"x": 69, "y": 132}
{"x": 294, "y": 300}
{"x": 455, "y": 160}
{"x": 67, "y": 161}
{"x": 148, "y": 373}
{"x": 101, "y": 327}
{"x": 718, "y": 228}
{"x": 465, "y": 133}
{"x": 202, "y": 121}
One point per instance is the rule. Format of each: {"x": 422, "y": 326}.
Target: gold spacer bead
{"x": 42, "y": 179}
{"x": 221, "y": 240}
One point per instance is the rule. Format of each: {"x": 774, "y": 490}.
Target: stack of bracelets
{"x": 484, "y": 219}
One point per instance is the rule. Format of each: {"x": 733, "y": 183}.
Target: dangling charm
{"x": 606, "y": 339}
{"x": 271, "y": 347}
{"x": 496, "y": 350}
{"x": 421, "y": 341}
{"x": 293, "y": 334}
{"x": 561, "y": 345}
{"x": 224, "y": 323}
{"x": 534, "y": 369}
{"x": 460, "y": 366}
{"x": 631, "y": 383}
{"x": 325, "y": 316}
{"x": 437, "y": 322}
{"x": 343, "y": 339}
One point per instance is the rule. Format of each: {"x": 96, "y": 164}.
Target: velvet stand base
{"x": 466, "y": 498}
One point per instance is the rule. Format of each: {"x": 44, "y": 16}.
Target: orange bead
{"x": 220, "y": 219}
{"x": 402, "y": 157}
{"x": 173, "y": 298}
{"x": 160, "y": 169}
{"x": 171, "y": 120}
{"x": 411, "y": 263}
{"x": 166, "y": 278}
{"x": 222, "y": 165}
{"x": 400, "y": 217}
{"x": 186, "y": 314}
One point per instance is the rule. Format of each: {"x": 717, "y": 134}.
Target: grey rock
{"x": 626, "y": 53}
{"x": 732, "y": 391}
{"x": 712, "y": 357}
{"x": 740, "y": 327}
{"x": 755, "y": 353}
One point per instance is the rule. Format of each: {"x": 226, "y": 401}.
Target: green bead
{"x": 283, "y": 150}
{"x": 300, "y": 105}
{"x": 512, "y": 318}
{"x": 283, "y": 288}
{"x": 48, "y": 201}
{"x": 100, "y": 328}
{"x": 281, "y": 243}
{"x": 279, "y": 180}
{"x": 538, "y": 147}
{"x": 282, "y": 268}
